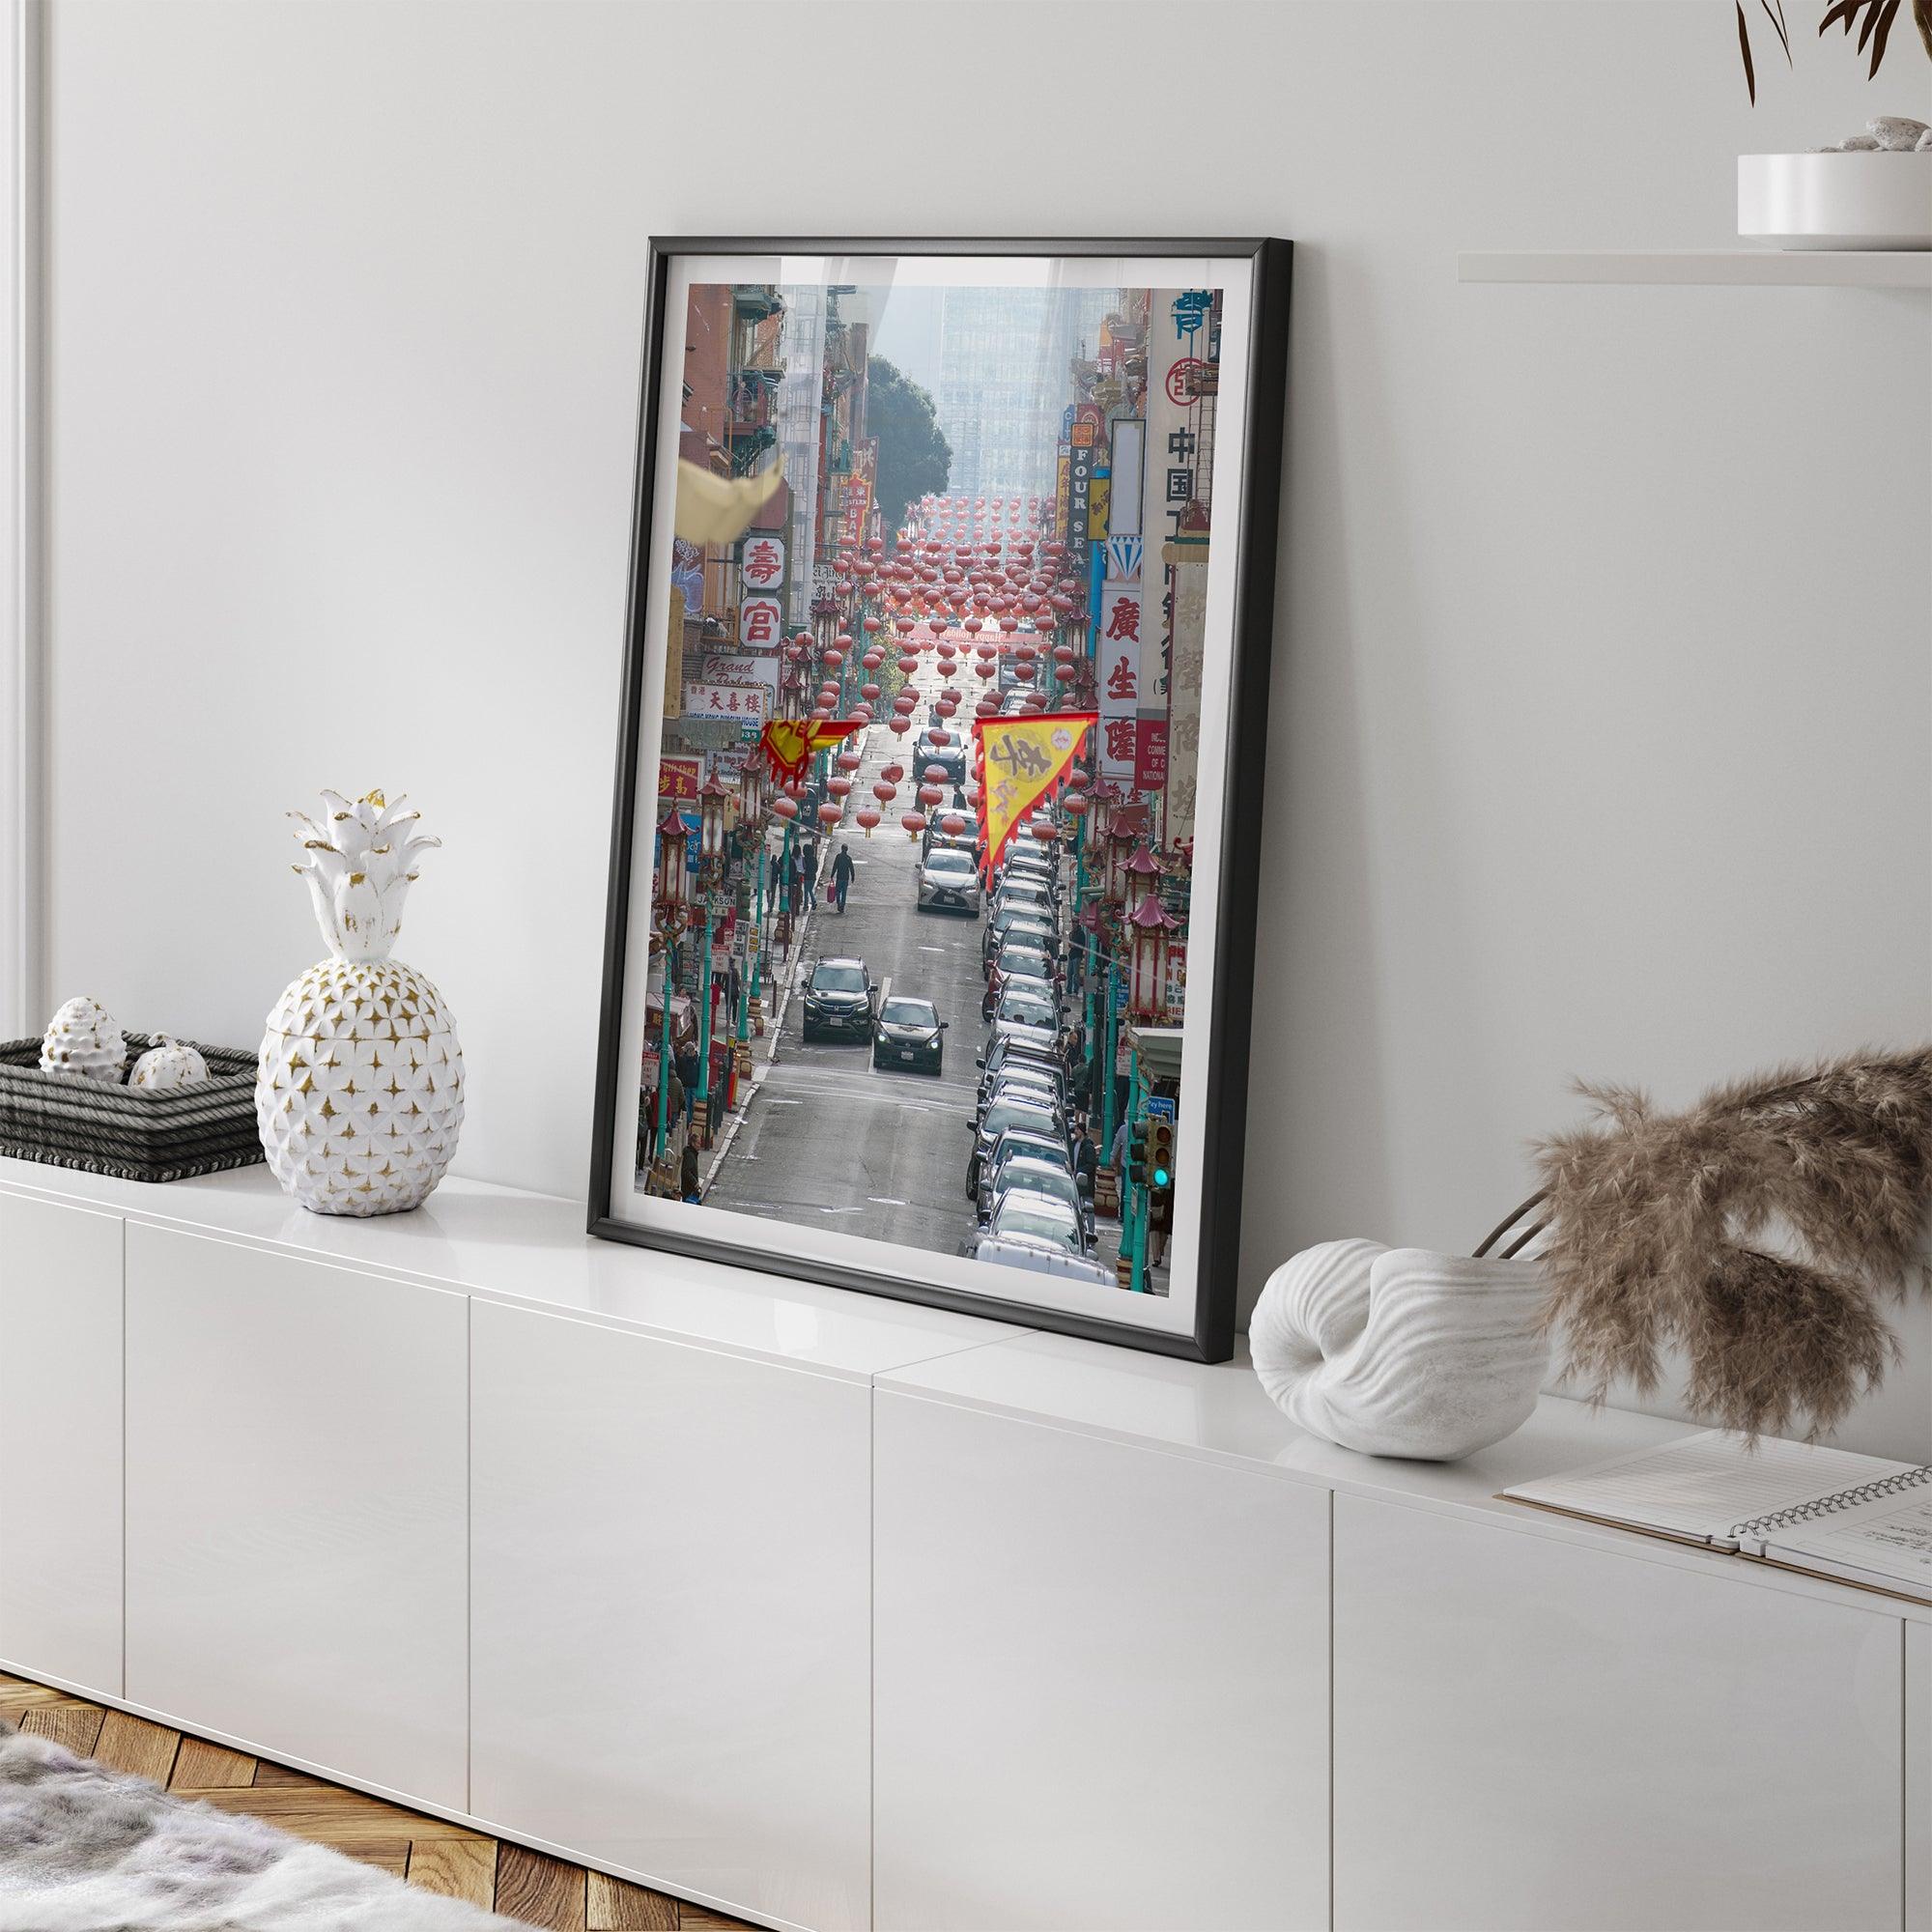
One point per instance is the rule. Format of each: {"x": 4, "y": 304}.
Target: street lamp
{"x": 1148, "y": 925}
{"x": 711, "y": 801}
{"x": 673, "y": 837}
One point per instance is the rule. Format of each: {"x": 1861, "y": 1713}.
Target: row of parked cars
{"x": 1032, "y": 1193}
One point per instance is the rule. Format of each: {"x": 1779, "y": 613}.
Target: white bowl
{"x": 1860, "y": 200}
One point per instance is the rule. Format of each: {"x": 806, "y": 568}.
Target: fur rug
{"x": 83, "y": 1849}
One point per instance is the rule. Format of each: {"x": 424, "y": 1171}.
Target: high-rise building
{"x": 1003, "y": 355}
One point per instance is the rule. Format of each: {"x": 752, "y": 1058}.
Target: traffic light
{"x": 1160, "y": 1155}
{"x": 1137, "y": 1153}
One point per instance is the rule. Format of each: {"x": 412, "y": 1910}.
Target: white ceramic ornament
{"x": 84, "y": 1038}
{"x": 1398, "y": 1351}
{"x": 358, "y": 1086}
{"x": 172, "y": 1064}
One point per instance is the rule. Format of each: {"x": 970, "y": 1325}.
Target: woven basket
{"x": 68, "y": 1121}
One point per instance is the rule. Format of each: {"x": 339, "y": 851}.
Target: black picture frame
{"x": 1223, "y": 1129}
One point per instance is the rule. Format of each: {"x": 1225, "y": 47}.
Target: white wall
{"x": 1598, "y": 743}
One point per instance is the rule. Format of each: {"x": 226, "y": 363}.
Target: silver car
{"x": 948, "y": 881}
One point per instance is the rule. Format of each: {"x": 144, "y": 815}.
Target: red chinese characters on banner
{"x": 678, "y": 779}
{"x": 742, "y": 702}
{"x": 763, "y": 562}
{"x": 1118, "y": 665}
{"x": 760, "y": 623}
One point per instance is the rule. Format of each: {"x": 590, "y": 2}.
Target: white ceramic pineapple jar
{"x": 358, "y": 1087}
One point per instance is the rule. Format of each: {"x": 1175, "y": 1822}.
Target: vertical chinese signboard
{"x": 760, "y": 623}
{"x": 1081, "y": 456}
{"x": 761, "y": 562}
{"x": 1118, "y": 654}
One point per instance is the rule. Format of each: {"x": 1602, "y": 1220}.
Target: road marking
{"x": 886, "y": 1201}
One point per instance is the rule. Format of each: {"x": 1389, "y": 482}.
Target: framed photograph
{"x": 929, "y": 957}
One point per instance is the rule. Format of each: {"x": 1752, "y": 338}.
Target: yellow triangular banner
{"x": 1021, "y": 760}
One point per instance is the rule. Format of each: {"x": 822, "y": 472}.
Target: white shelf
{"x": 1792, "y": 268}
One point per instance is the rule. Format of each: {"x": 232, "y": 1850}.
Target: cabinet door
{"x": 295, "y": 1509}
{"x": 1918, "y": 1777}
{"x": 60, "y": 1442}
{"x": 1532, "y": 1734}
{"x": 670, "y": 1613}
{"x": 1101, "y": 1683}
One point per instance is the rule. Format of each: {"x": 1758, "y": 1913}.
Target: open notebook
{"x": 1857, "y": 1519}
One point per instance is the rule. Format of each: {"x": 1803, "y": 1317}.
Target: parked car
{"x": 1018, "y": 962}
{"x": 1001, "y": 919}
{"x": 1021, "y": 1003}
{"x": 1029, "y": 1160}
{"x": 966, "y": 839}
{"x": 909, "y": 1033}
{"x": 1007, "y": 1054}
{"x": 1024, "y": 1079}
{"x": 1010, "y": 1110}
{"x": 1020, "y": 893}
{"x": 1038, "y": 1233}
{"x": 839, "y": 1001}
{"x": 948, "y": 881}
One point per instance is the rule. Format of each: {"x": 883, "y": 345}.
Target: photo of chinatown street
{"x": 923, "y": 834}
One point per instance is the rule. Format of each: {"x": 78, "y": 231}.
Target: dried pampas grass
{"x": 1655, "y": 1225}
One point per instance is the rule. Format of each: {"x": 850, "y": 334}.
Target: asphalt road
{"x": 827, "y": 1138}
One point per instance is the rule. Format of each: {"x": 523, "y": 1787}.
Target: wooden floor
{"x": 439, "y": 1857}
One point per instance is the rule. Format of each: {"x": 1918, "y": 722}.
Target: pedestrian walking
{"x": 841, "y": 874}
{"x": 791, "y": 882}
{"x": 688, "y": 1180}
{"x": 811, "y": 868}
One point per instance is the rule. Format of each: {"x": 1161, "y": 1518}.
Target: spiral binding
{"x": 1865, "y": 1492}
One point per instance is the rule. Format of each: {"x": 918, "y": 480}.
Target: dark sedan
{"x": 910, "y": 1035}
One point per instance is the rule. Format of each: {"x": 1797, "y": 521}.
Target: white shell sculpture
{"x": 165, "y": 1067}
{"x": 84, "y": 1038}
{"x": 359, "y": 1085}
{"x": 1398, "y": 1351}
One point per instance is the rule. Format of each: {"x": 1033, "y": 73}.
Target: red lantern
{"x": 931, "y": 795}
{"x": 867, "y": 818}
{"x": 848, "y": 761}
{"x": 785, "y": 807}
{"x": 1043, "y": 829}
{"x": 953, "y": 825}
{"x": 885, "y": 793}
{"x": 838, "y": 785}
{"x": 900, "y": 725}
{"x": 829, "y": 815}
{"x": 914, "y": 823}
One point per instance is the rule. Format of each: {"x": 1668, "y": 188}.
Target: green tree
{"x": 914, "y": 457}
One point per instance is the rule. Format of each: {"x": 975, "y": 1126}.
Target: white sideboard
{"x": 833, "y": 1611}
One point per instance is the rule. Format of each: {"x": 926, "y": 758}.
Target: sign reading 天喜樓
{"x": 737, "y": 703}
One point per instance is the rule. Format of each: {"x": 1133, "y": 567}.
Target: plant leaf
{"x": 1776, "y": 20}
{"x": 1883, "y": 35}
{"x": 1744, "y": 47}
{"x": 1844, "y": 14}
